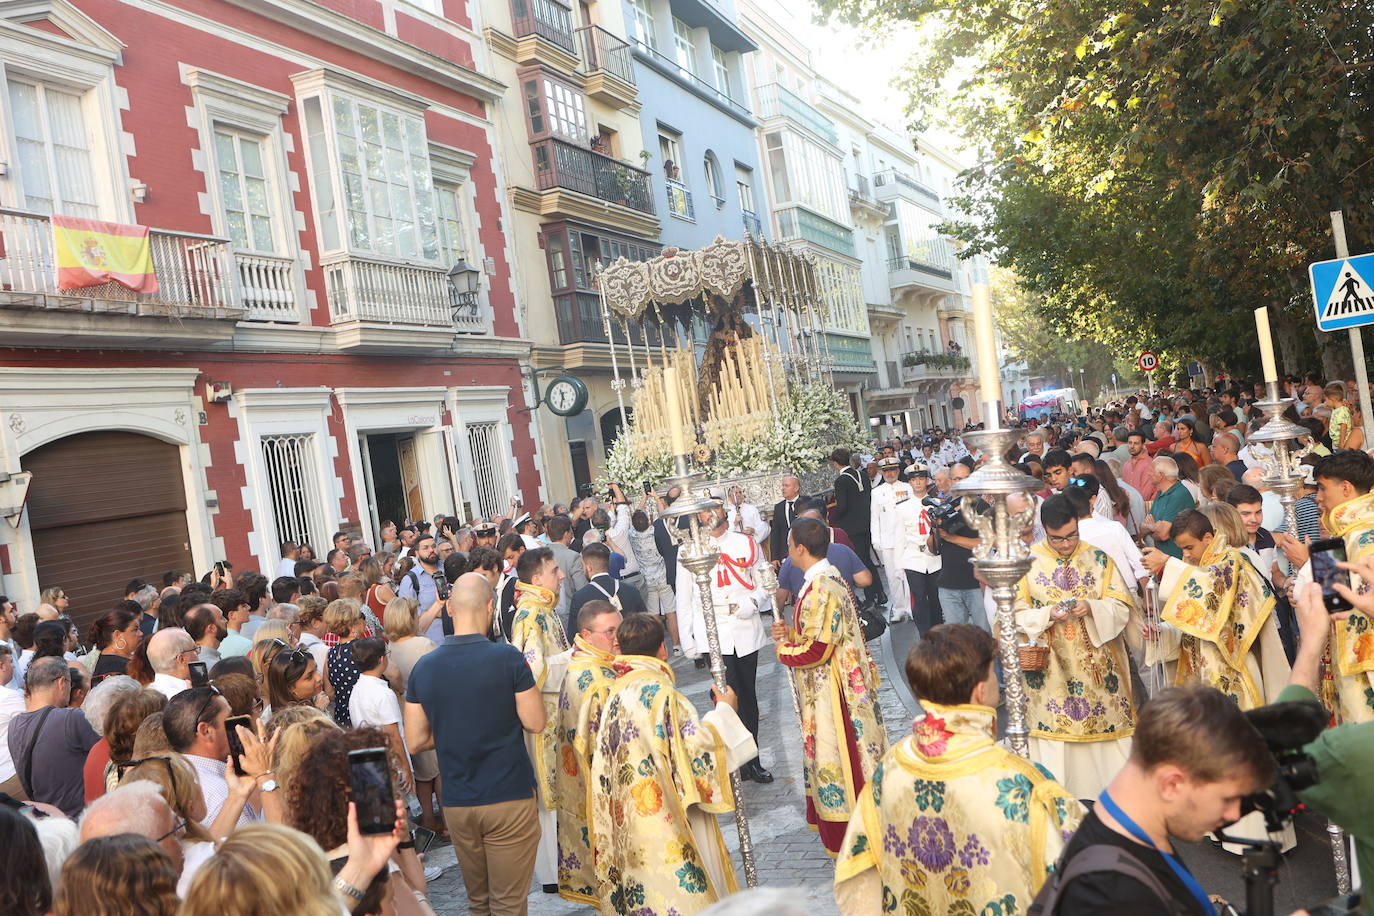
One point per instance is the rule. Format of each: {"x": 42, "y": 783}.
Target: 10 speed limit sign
{"x": 1147, "y": 362}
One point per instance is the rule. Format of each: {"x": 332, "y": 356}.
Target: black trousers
{"x": 863, "y": 546}
{"x": 925, "y": 599}
{"x": 740, "y": 674}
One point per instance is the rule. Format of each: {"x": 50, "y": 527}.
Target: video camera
{"x": 942, "y": 509}
{"x": 1287, "y": 728}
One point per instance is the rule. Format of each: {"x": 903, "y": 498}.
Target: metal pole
{"x": 1356, "y": 339}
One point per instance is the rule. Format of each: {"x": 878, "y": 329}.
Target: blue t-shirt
{"x": 845, "y": 561}
{"x": 467, "y": 687}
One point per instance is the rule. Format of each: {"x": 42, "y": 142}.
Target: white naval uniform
{"x": 747, "y": 515}
{"x": 888, "y": 504}
{"x": 736, "y": 593}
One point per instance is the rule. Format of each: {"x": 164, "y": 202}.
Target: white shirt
{"x": 1271, "y": 508}
{"x": 1137, "y": 507}
{"x": 286, "y": 567}
{"x": 885, "y": 519}
{"x": 318, "y": 649}
{"x": 11, "y": 704}
{"x": 749, "y": 517}
{"x": 1110, "y": 537}
{"x": 374, "y": 703}
{"x": 736, "y": 594}
{"x": 170, "y": 686}
{"x": 618, "y": 539}
{"x": 210, "y": 774}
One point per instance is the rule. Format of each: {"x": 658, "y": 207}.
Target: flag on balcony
{"x": 90, "y": 252}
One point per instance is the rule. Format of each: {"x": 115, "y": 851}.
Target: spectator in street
{"x": 419, "y": 584}
{"x": 344, "y": 619}
{"x": 206, "y": 626}
{"x": 236, "y": 612}
{"x": 129, "y": 711}
{"x": 406, "y": 648}
{"x": 117, "y": 875}
{"x": 49, "y": 742}
{"x": 25, "y": 886}
{"x": 254, "y": 587}
{"x": 596, "y": 559}
{"x": 135, "y": 807}
{"x": 290, "y": 554}
{"x": 1173, "y": 497}
{"x": 658, "y": 594}
{"x": 294, "y": 679}
{"x": 337, "y": 560}
{"x": 170, "y": 653}
{"x": 194, "y": 723}
{"x": 373, "y": 704}
{"x": 487, "y": 777}
{"x": 310, "y": 621}
{"x": 559, "y": 532}
{"x": 176, "y": 782}
{"x": 116, "y": 635}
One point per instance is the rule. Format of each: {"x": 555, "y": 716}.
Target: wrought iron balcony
{"x": 777, "y": 101}
{"x": 388, "y": 292}
{"x": 195, "y": 274}
{"x": 931, "y": 258}
{"x": 546, "y": 18}
{"x": 680, "y": 199}
{"x": 580, "y": 321}
{"x": 892, "y": 180}
{"x": 603, "y": 50}
{"x": 921, "y": 366}
{"x": 752, "y": 224}
{"x": 559, "y": 164}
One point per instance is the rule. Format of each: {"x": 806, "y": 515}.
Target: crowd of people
{"x": 201, "y": 746}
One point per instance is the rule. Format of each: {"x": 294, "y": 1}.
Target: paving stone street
{"x": 788, "y": 853}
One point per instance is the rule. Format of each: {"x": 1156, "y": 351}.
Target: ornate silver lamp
{"x": 699, "y": 557}
{"x": 1001, "y": 557}
{"x": 1282, "y": 475}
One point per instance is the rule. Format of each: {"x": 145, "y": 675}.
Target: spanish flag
{"x": 91, "y": 252}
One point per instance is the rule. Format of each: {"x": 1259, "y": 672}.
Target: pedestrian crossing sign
{"x": 1343, "y": 292}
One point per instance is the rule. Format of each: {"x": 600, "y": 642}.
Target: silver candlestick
{"x": 699, "y": 556}
{"x": 1001, "y": 557}
{"x": 1282, "y": 475}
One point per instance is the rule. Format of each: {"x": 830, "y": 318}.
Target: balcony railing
{"x": 921, "y": 365}
{"x": 680, "y": 199}
{"x": 777, "y": 101}
{"x": 861, "y": 188}
{"x": 603, "y": 50}
{"x": 194, "y": 272}
{"x": 667, "y": 65}
{"x": 545, "y": 18}
{"x": 366, "y": 289}
{"x": 908, "y": 262}
{"x": 796, "y": 223}
{"x": 752, "y": 224}
{"x": 558, "y": 164}
{"x": 893, "y": 178}
{"x": 267, "y": 287}
{"x": 580, "y": 321}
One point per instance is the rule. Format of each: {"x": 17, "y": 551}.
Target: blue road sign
{"x": 1342, "y": 292}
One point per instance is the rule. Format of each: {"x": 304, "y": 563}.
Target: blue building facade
{"x": 689, "y": 59}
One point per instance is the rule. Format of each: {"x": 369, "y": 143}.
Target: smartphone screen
{"x": 1325, "y": 555}
{"x": 371, "y": 775}
{"x": 200, "y": 674}
{"x": 423, "y": 838}
{"x": 236, "y": 745}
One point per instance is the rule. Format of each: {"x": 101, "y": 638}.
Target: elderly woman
{"x": 344, "y": 619}
{"x": 96, "y": 709}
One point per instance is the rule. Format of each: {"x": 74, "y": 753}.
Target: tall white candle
{"x": 985, "y": 338}
{"x": 1266, "y": 342}
{"x": 674, "y": 405}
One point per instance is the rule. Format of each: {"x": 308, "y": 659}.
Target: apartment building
{"x": 334, "y": 340}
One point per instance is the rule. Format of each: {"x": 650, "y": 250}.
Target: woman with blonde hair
{"x": 265, "y": 868}
{"x": 122, "y": 875}
{"x": 343, "y": 618}
{"x": 1227, "y": 525}
{"x": 400, "y": 622}
{"x": 300, "y": 727}
{"x": 1212, "y": 480}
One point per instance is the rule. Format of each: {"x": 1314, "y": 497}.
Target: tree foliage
{"x": 1153, "y": 170}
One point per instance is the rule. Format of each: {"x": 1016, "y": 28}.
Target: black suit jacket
{"x": 631, "y": 602}
{"x": 667, "y": 549}
{"x": 851, "y": 501}
{"x": 782, "y": 523}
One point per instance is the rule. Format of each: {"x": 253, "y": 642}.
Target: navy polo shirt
{"x": 467, "y": 687}
{"x": 845, "y": 561}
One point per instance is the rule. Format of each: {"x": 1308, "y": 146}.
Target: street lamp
{"x": 463, "y": 283}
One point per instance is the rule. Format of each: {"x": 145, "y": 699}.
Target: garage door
{"x": 104, "y": 508}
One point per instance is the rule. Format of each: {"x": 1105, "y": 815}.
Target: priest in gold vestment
{"x": 1344, "y": 482}
{"x": 837, "y": 683}
{"x": 1079, "y": 708}
{"x": 538, "y": 633}
{"x": 659, "y": 776}
{"x": 952, "y": 822}
{"x": 590, "y": 672}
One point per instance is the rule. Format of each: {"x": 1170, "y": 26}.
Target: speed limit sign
{"x": 1147, "y": 362}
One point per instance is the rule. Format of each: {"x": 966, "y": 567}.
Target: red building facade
{"x": 321, "y": 185}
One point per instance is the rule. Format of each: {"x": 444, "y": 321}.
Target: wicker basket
{"x": 1034, "y": 658}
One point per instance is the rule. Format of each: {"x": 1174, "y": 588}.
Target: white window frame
{"x": 249, "y": 109}
{"x": 744, "y": 185}
{"x": 644, "y": 23}
{"x": 472, "y": 406}
{"x": 684, "y": 47}
{"x": 325, "y": 85}
{"x": 452, "y": 166}
{"x": 82, "y": 64}
{"x": 721, "y": 68}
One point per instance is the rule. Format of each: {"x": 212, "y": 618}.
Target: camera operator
{"x": 423, "y": 583}
{"x": 961, "y": 599}
{"x": 1345, "y": 791}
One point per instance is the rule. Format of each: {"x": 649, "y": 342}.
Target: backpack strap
{"x": 27, "y": 781}
{"x": 1101, "y": 857}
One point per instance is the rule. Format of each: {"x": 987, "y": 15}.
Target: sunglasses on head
{"x": 214, "y": 692}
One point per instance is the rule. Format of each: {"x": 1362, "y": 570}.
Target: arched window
{"x": 714, "y": 184}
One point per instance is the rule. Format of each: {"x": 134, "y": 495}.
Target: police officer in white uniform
{"x": 887, "y": 505}
{"x": 920, "y": 564}
{"x": 738, "y": 595}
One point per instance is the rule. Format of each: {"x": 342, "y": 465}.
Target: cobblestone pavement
{"x": 788, "y": 853}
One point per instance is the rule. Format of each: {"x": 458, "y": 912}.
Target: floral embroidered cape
{"x": 590, "y": 672}
{"x": 953, "y": 823}
{"x": 538, "y": 633}
{"x": 655, "y": 766}
{"x": 1349, "y": 684}
{"x": 1084, "y": 694}
{"x": 1221, "y": 607}
{"x": 842, "y": 732}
